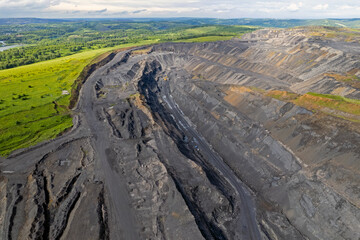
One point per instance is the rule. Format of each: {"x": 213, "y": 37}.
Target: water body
{"x": 9, "y": 47}
{"x": 5, "y": 47}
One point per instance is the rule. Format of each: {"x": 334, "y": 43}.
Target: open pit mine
{"x": 221, "y": 140}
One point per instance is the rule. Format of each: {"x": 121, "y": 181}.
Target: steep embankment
{"x": 226, "y": 140}
{"x": 298, "y": 151}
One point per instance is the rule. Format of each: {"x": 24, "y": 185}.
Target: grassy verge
{"x": 335, "y": 105}
{"x": 350, "y": 78}
{"x": 282, "y": 95}
{"x": 338, "y": 103}
{"x": 343, "y": 33}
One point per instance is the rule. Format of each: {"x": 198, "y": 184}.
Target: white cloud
{"x": 321, "y": 7}
{"x": 350, "y": 8}
{"x": 26, "y": 3}
{"x": 345, "y": 7}
{"x": 294, "y": 7}
{"x": 124, "y": 7}
{"x": 178, "y": 8}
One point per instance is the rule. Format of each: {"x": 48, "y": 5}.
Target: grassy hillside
{"x": 50, "y": 41}
{"x": 280, "y": 23}
{"x": 34, "y": 100}
{"x": 264, "y": 22}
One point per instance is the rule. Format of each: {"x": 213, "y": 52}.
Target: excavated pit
{"x": 186, "y": 142}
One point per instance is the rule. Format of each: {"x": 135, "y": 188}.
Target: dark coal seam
{"x": 103, "y": 217}
{"x": 67, "y": 216}
{"x": 14, "y": 210}
{"x": 208, "y": 229}
{"x": 67, "y": 188}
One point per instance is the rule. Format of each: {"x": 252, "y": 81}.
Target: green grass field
{"x": 32, "y": 105}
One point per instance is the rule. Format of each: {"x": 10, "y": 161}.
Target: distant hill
{"x": 280, "y": 23}
{"x": 10, "y": 21}
{"x": 263, "y": 22}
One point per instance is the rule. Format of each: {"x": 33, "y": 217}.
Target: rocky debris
{"x": 158, "y": 205}
{"x": 139, "y": 174}
{"x": 51, "y": 195}
{"x": 3, "y": 201}
{"x": 260, "y": 122}
{"x": 279, "y": 162}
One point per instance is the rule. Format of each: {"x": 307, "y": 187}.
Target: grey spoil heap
{"x": 181, "y": 142}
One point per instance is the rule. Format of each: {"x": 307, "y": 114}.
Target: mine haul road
{"x": 119, "y": 198}
{"x": 248, "y": 220}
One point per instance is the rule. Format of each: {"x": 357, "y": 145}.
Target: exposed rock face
{"x": 183, "y": 142}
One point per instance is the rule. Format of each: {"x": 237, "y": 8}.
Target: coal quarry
{"x": 214, "y": 140}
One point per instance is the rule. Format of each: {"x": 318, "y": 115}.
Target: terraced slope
{"x": 252, "y": 138}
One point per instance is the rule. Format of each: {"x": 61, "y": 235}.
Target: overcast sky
{"x": 180, "y": 8}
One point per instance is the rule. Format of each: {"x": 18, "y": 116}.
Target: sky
{"x": 313, "y": 9}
